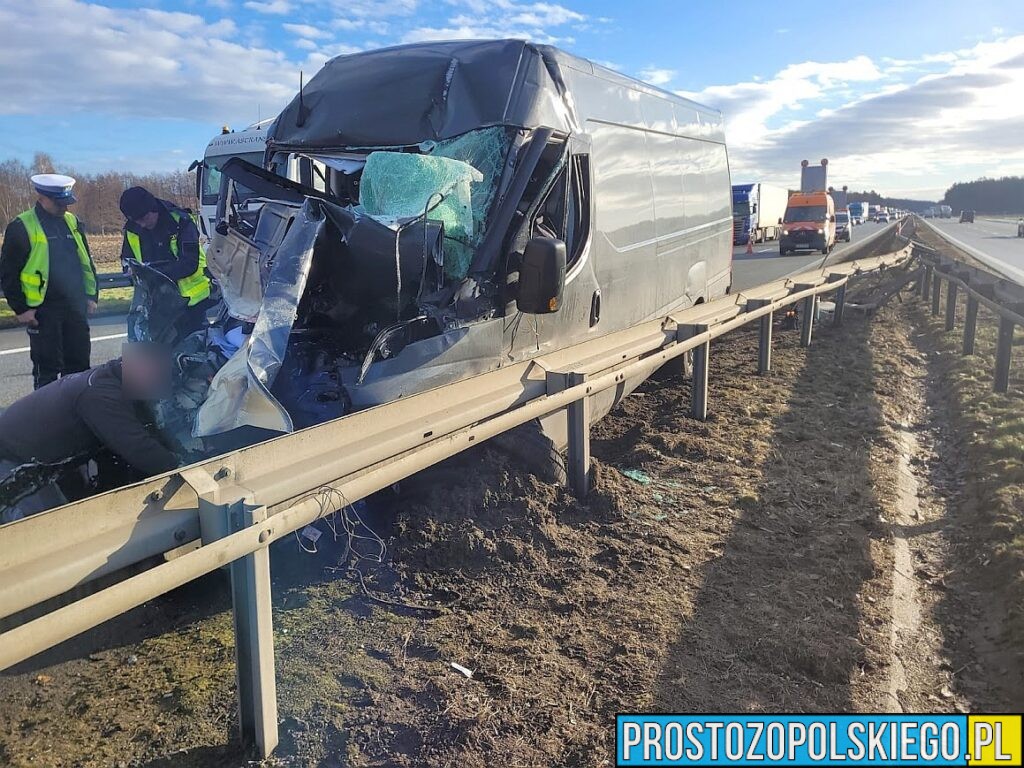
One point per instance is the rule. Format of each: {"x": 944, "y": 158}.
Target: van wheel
{"x": 678, "y": 366}
{"x": 535, "y": 450}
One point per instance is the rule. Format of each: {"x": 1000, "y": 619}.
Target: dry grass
{"x": 991, "y": 426}
{"x": 106, "y": 251}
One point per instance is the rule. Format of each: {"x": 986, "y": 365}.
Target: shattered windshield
{"x": 451, "y": 181}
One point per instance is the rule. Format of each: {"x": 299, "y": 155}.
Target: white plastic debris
{"x": 462, "y": 670}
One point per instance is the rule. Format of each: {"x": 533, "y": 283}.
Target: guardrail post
{"x": 936, "y": 292}
{"x": 699, "y": 385}
{"x": 222, "y": 511}
{"x": 764, "y": 346}
{"x": 970, "y": 324}
{"x": 950, "y": 305}
{"x": 807, "y": 323}
{"x": 578, "y": 415}
{"x": 926, "y": 282}
{"x": 254, "y": 636}
{"x": 1004, "y": 348}
{"x": 840, "y": 299}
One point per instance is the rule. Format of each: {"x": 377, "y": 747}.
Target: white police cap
{"x": 56, "y": 186}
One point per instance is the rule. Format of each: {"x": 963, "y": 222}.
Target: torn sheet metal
{"x": 234, "y": 262}
{"x": 411, "y": 93}
{"x": 240, "y": 392}
{"x": 353, "y": 277}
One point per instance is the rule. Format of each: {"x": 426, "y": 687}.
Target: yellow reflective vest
{"x": 35, "y": 275}
{"x": 196, "y": 286}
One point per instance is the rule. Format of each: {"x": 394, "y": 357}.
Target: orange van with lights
{"x": 809, "y": 223}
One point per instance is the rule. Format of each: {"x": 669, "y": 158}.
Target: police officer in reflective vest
{"x": 165, "y": 237}
{"x": 49, "y": 280}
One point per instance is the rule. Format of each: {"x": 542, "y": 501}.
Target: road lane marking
{"x": 94, "y": 338}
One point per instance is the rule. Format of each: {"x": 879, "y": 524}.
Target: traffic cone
{"x": 750, "y": 243}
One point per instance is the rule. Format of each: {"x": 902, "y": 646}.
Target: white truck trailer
{"x": 757, "y": 209}
{"x": 248, "y": 144}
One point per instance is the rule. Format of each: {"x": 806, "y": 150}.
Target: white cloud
{"x": 543, "y": 15}
{"x": 539, "y": 22}
{"x": 657, "y": 76}
{"x": 898, "y": 125}
{"x": 271, "y": 7}
{"x": 305, "y": 30}
{"x": 370, "y": 9}
{"x": 750, "y": 106}
{"x": 136, "y": 63}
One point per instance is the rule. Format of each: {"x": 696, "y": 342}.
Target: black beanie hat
{"x": 136, "y": 202}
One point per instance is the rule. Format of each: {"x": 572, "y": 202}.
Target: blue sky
{"x": 905, "y": 97}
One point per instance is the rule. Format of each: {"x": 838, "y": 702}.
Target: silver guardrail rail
{"x": 105, "y": 280}
{"x": 1002, "y": 295}
{"x": 228, "y": 510}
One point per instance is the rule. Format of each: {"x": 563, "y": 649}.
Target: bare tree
{"x": 98, "y": 194}
{"x": 16, "y": 193}
{"x": 42, "y": 163}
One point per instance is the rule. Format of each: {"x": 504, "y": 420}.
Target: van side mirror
{"x": 198, "y": 166}
{"x": 541, "y": 276}
{"x": 780, "y": 219}
{"x": 832, "y": 218}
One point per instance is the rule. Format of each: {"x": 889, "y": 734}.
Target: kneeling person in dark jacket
{"x": 78, "y": 414}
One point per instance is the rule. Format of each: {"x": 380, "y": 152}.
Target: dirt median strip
{"x": 742, "y": 564}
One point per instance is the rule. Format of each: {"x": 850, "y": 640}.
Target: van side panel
{"x": 661, "y": 211}
{"x": 691, "y": 195}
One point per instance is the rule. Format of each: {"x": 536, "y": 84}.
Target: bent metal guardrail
{"x": 227, "y": 511}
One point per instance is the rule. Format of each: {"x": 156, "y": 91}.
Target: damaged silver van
{"x": 429, "y": 212}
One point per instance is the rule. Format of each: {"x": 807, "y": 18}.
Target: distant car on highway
{"x": 967, "y": 216}
{"x": 843, "y": 226}
{"x": 882, "y": 217}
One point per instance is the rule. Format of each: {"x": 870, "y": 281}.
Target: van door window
{"x": 577, "y": 223}
{"x": 565, "y": 211}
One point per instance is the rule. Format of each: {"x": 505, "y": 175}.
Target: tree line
{"x": 993, "y": 196}
{"x": 903, "y": 203}
{"x": 98, "y": 194}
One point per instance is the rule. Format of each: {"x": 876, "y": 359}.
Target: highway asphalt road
{"x": 108, "y": 333}
{"x": 996, "y": 238}
{"x": 765, "y": 265}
